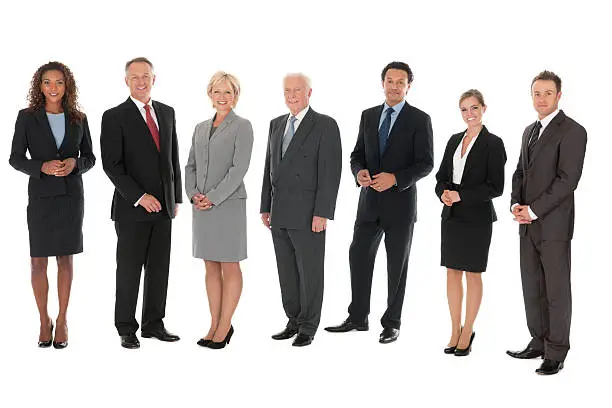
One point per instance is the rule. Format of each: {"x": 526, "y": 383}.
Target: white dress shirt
{"x": 143, "y": 112}
{"x": 298, "y": 119}
{"x": 458, "y": 161}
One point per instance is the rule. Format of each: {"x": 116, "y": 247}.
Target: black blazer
{"x": 132, "y": 162}
{"x": 33, "y": 133}
{"x": 409, "y": 155}
{"x": 482, "y": 180}
{"x": 546, "y": 182}
{"x": 304, "y": 183}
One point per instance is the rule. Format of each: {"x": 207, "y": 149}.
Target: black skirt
{"x": 56, "y": 225}
{"x": 465, "y": 246}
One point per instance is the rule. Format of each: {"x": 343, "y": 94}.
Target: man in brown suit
{"x": 548, "y": 171}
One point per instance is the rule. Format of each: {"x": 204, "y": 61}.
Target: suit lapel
{"x": 69, "y": 133}
{"x": 300, "y": 135}
{"x": 451, "y": 158}
{"x": 477, "y": 149}
{"x": 399, "y": 122}
{"x": 140, "y": 124}
{"x": 374, "y": 134}
{"x": 547, "y": 136}
{"x": 43, "y": 121}
{"x": 223, "y": 126}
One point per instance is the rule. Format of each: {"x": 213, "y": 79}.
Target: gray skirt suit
{"x": 218, "y": 162}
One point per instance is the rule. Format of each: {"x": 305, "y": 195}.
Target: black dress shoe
{"x": 221, "y": 344}
{"x": 46, "y": 344}
{"x": 204, "y": 342}
{"x": 450, "y": 350}
{"x": 549, "y": 367}
{"x": 464, "y": 352}
{"x": 526, "y": 354}
{"x": 348, "y": 325}
{"x": 285, "y": 334}
{"x": 388, "y": 335}
{"x": 130, "y": 341}
{"x": 160, "y": 334}
{"x": 302, "y": 340}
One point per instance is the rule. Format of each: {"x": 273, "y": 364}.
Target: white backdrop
{"x": 342, "y": 47}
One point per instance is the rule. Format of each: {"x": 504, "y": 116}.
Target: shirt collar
{"x": 139, "y": 104}
{"x": 300, "y": 115}
{"x": 397, "y": 108}
{"x": 546, "y": 121}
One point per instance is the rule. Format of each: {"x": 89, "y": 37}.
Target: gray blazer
{"x": 216, "y": 167}
{"x": 547, "y": 180}
{"x": 304, "y": 182}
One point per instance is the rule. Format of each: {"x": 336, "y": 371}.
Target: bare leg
{"x": 214, "y": 290}
{"x": 40, "y": 285}
{"x": 232, "y": 288}
{"x": 454, "y": 293}
{"x": 472, "y": 304}
{"x": 64, "y": 284}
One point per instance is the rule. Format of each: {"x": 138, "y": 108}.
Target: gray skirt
{"x": 219, "y": 234}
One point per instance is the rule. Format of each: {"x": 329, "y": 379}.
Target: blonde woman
{"x": 218, "y": 161}
{"x": 471, "y": 174}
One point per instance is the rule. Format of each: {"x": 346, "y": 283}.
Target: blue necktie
{"x": 383, "y": 132}
{"x": 289, "y": 134}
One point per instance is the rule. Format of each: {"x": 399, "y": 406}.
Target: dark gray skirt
{"x": 55, "y": 225}
{"x": 465, "y": 246}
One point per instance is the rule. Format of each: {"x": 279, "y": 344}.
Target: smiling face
{"x": 222, "y": 96}
{"x": 545, "y": 97}
{"x": 53, "y": 86}
{"x": 471, "y": 111}
{"x": 395, "y": 86}
{"x": 140, "y": 79}
{"x": 297, "y": 93}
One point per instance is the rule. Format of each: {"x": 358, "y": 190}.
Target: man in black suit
{"x": 140, "y": 156}
{"x": 394, "y": 150}
{"x": 300, "y": 186}
{"x": 548, "y": 171}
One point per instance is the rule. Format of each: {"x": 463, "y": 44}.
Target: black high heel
{"x": 204, "y": 342}
{"x": 465, "y": 352}
{"x": 58, "y": 345}
{"x": 451, "y": 350}
{"x": 46, "y": 344}
{"x": 219, "y": 345}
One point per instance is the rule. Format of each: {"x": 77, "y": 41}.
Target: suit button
{"x": 57, "y": 155}
{"x": 297, "y": 175}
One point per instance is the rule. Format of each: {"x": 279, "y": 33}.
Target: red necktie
{"x": 152, "y": 126}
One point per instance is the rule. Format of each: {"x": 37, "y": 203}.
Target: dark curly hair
{"x": 36, "y": 98}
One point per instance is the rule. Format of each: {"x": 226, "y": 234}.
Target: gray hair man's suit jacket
{"x": 219, "y": 176}
{"x": 304, "y": 183}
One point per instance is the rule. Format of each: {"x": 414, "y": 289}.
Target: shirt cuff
{"x": 532, "y": 214}
{"x": 138, "y": 202}
{"x": 513, "y": 205}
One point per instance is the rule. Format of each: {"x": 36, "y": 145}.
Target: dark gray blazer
{"x": 546, "y": 182}
{"x": 304, "y": 183}
{"x": 217, "y": 165}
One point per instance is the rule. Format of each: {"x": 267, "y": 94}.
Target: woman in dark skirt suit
{"x": 471, "y": 175}
{"x": 55, "y": 133}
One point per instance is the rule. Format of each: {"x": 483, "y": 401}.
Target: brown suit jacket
{"x": 546, "y": 181}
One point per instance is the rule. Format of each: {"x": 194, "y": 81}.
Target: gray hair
{"x": 299, "y": 75}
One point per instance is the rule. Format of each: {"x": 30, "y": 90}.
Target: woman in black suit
{"x": 55, "y": 133}
{"x": 470, "y": 175}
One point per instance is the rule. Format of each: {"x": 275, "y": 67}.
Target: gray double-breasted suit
{"x": 216, "y": 168}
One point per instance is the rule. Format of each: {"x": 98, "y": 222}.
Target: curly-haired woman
{"x": 55, "y": 133}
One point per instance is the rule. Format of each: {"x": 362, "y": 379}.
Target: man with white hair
{"x": 300, "y": 186}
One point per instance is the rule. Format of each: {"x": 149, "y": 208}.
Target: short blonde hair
{"x": 224, "y": 76}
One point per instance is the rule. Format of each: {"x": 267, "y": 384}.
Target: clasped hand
{"x": 521, "y": 214}
{"x": 59, "y": 168}
{"x": 201, "y": 202}
{"x": 449, "y": 197}
{"x": 379, "y": 182}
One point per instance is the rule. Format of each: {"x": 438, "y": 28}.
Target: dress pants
{"x": 142, "y": 244}
{"x": 300, "y": 258}
{"x": 545, "y": 273}
{"x": 366, "y": 239}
